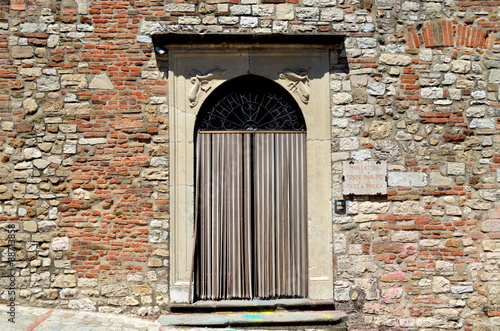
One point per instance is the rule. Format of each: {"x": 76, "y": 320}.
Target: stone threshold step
{"x": 253, "y": 319}
{"x": 252, "y": 305}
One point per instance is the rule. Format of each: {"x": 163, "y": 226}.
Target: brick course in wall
{"x": 84, "y": 167}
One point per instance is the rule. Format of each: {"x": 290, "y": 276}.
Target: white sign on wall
{"x": 364, "y": 177}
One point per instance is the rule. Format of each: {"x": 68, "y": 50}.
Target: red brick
{"x": 393, "y": 277}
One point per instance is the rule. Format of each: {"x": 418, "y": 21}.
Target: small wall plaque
{"x": 365, "y": 177}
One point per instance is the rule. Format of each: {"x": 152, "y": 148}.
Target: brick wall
{"x": 84, "y": 152}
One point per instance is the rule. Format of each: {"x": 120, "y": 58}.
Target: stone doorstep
{"x": 255, "y": 313}
{"x": 253, "y": 319}
{"x": 252, "y": 305}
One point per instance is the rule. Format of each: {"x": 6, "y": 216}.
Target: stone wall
{"x": 84, "y": 199}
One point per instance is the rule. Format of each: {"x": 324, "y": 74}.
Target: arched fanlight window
{"x": 250, "y": 103}
{"x": 251, "y": 210}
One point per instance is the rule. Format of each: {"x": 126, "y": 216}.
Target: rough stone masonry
{"x": 84, "y": 169}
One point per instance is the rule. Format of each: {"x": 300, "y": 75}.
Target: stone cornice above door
{"x": 186, "y": 40}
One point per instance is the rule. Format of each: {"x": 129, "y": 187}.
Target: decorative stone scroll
{"x": 364, "y": 177}
{"x": 201, "y": 83}
{"x": 298, "y": 82}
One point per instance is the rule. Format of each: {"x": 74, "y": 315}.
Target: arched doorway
{"x": 250, "y": 193}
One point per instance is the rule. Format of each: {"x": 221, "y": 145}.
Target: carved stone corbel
{"x": 298, "y": 82}
{"x": 201, "y": 83}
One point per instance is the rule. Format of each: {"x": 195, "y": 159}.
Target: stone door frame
{"x": 193, "y": 74}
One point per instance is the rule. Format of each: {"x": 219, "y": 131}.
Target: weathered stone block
{"x": 249, "y": 22}
{"x": 155, "y": 174}
{"x": 263, "y": 10}
{"x": 453, "y": 210}
{"x": 60, "y": 244}
{"x": 440, "y": 285}
{"x": 392, "y": 293}
{"x": 366, "y": 42}
{"x": 461, "y": 288}
{"x": 491, "y": 225}
{"x": 285, "y": 12}
{"x": 46, "y": 226}
{"x": 75, "y": 80}
{"x": 369, "y": 207}
{"x": 30, "y": 226}
{"x": 240, "y": 10}
{"x": 30, "y": 72}
{"x": 130, "y": 301}
{"x": 77, "y": 109}
{"x": 155, "y": 262}
{"x": 478, "y": 204}
{"x": 376, "y": 88}
{"x": 407, "y": 179}
{"x": 360, "y": 110}
{"x": 339, "y": 244}
{"x": 408, "y": 208}
{"x": 114, "y": 290}
{"x": 87, "y": 282}
{"x": 432, "y": 93}
{"x": 444, "y": 266}
{"x": 380, "y": 130}
{"x": 395, "y": 59}
{"x": 48, "y": 83}
{"x": 22, "y": 52}
{"x": 52, "y": 106}
{"x": 158, "y": 236}
{"x": 456, "y": 168}
{"x": 387, "y": 4}
{"x": 342, "y": 290}
{"x": 436, "y": 179}
{"x": 348, "y": 144}
{"x": 142, "y": 289}
{"x": 405, "y": 236}
{"x": 331, "y": 14}
{"x": 477, "y": 302}
{"x": 341, "y": 98}
{"x": 64, "y": 281}
{"x": 460, "y": 66}
{"x": 369, "y": 287}
{"x": 41, "y": 163}
{"x": 475, "y": 111}
{"x": 403, "y": 136}
{"x": 33, "y": 27}
{"x": 31, "y": 153}
{"x": 447, "y": 313}
{"x": 494, "y": 77}
{"x": 491, "y": 245}
{"x": 21, "y": 127}
{"x": 387, "y": 150}
{"x": 92, "y": 141}
{"x": 82, "y": 304}
{"x": 362, "y": 218}
{"x": 101, "y": 82}
{"x": 482, "y": 123}
{"x": 355, "y": 265}
{"x": 68, "y": 293}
